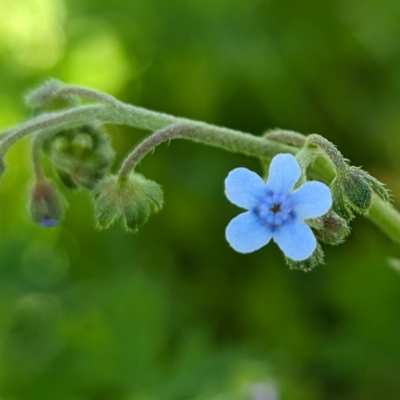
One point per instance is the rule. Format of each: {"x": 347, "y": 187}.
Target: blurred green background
{"x": 173, "y": 312}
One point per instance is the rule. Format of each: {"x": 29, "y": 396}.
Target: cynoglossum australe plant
{"x": 72, "y": 136}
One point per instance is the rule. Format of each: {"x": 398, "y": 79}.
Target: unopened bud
{"x": 352, "y": 192}
{"x": 352, "y": 187}
{"x": 134, "y": 199}
{"x": 61, "y": 144}
{"x": 86, "y": 177}
{"x": 333, "y": 229}
{"x": 45, "y": 98}
{"x": 84, "y": 154}
{"x": 47, "y": 206}
{"x": 357, "y": 189}
{"x": 82, "y": 143}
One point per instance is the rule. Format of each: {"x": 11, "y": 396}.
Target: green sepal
{"x": 379, "y": 187}
{"x": 134, "y": 199}
{"x": 340, "y": 204}
{"x": 316, "y": 258}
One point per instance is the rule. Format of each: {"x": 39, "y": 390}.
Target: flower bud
{"x": 134, "y": 199}
{"x": 357, "y": 189}
{"x": 82, "y": 143}
{"x": 47, "y": 206}
{"x": 333, "y": 229}
{"x": 352, "y": 192}
{"x": 316, "y": 258}
{"x": 43, "y": 98}
{"x": 84, "y": 155}
{"x": 87, "y": 177}
{"x": 352, "y": 187}
{"x": 61, "y": 144}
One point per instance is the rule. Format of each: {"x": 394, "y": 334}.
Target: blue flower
{"x": 274, "y": 210}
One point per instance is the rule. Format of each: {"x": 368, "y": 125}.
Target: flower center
{"x": 275, "y": 210}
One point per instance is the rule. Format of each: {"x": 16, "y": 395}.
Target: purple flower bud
{"x": 47, "y": 206}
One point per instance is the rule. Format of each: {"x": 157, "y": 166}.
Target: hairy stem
{"x": 227, "y": 139}
{"x": 330, "y": 149}
{"x": 36, "y": 160}
{"x": 149, "y": 143}
{"x": 288, "y": 137}
{"x": 87, "y": 93}
{"x": 385, "y": 217}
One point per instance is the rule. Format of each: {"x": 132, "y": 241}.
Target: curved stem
{"x": 87, "y": 93}
{"x": 36, "y": 161}
{"x": 330, "y": 149}
{"x": 288, "y": 137}
{"x": 149, "y": 143}
{"x": 227, "y": 139}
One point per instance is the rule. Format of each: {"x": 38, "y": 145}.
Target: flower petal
{"x": 243, "y": 187}
{"x": 245, "y": 233}
{"x": 284, "y": 172}
{"x": 311, "y": 200}
{"x": 296, "y": 240}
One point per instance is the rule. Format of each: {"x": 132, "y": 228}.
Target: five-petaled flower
{"x": 274, "y": 210}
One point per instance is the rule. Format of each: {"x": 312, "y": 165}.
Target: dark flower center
{"x": 276, "y": 208}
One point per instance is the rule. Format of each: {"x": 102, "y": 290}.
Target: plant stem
{"x": 149, "y": 143}
{"x": 87, "y": 93}
{"x": 227, "y": 139}
{"x": 36, "y": 151}
{"x": 385, "y": 217}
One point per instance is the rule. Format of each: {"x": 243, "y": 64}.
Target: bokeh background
{"x": 172, "y": 312}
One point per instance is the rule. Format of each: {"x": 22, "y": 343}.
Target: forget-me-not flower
{"x": 274, "y": 210}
